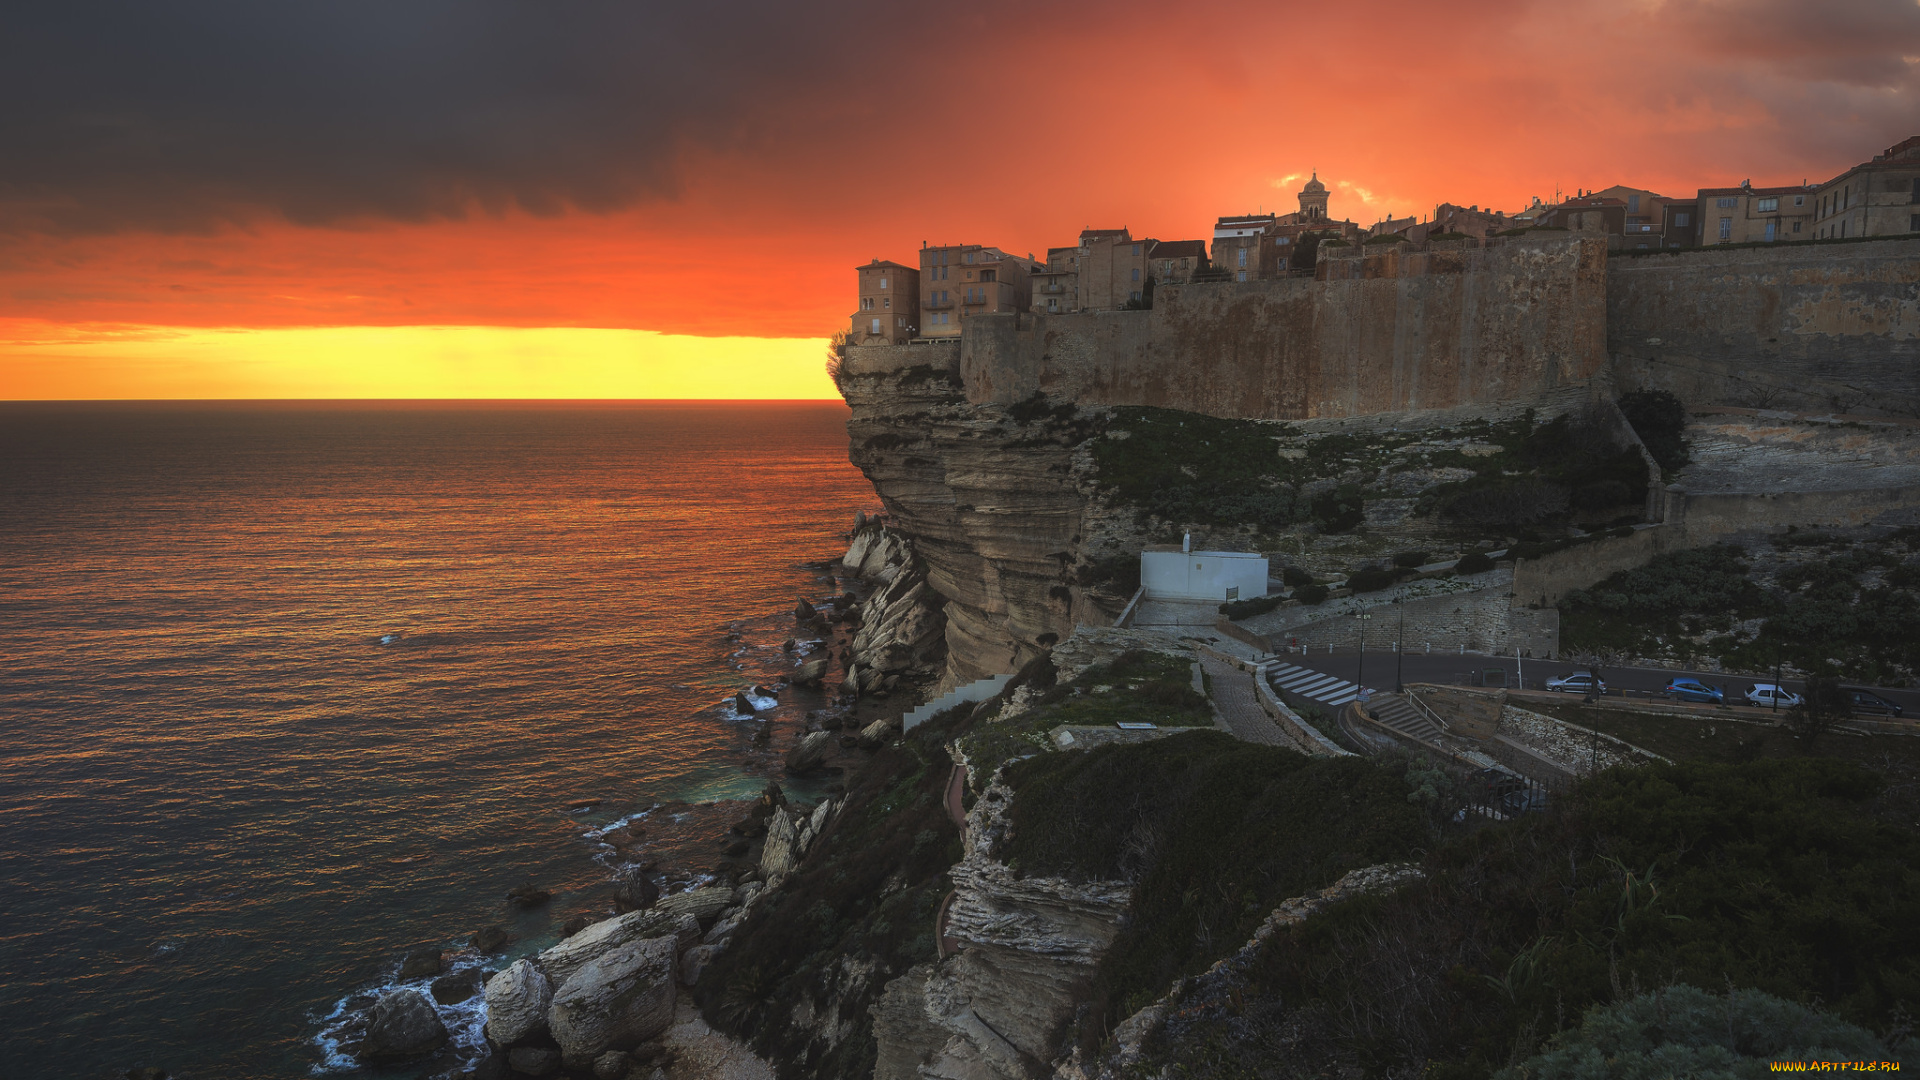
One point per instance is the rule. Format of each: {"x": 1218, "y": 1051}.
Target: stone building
{"x": 1471, "y": 220}
{"x": 961, "y": 280}
{"x": 889, "y": 304}
{"x": 1750, "y": 215}
{"x": 1175, "y": 262}
{"x": 1244, "y": 247}
{"x": 1586, "y": 213}
{"x": 1056, "y": 286}
{"x": 1875, "y": 198}
{"x": 1644, "y": 222}
{"x": 1113, "y": 271}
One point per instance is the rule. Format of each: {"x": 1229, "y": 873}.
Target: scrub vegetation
{"x": 1821, "y": 603}
{"x": 1215, "y": 831}
{"x": 1787, "y": 877}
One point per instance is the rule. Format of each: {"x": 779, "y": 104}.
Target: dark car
{"x": 1864, "y": 702}
{"x": 1695, "y": 690}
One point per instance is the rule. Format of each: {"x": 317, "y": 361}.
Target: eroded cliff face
{"x": 1000, "y": 507}
{"x": 1029, "y": 948}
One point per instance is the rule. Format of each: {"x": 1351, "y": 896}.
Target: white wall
{"x": 1202, "y": 575}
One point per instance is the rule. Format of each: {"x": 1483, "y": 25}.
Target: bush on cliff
{"x": 1215, "y": 831}
{"x": 1473, "y": 562}
{"x": 867, "y": 892}
{"x": 1311, "y": 595}
{"x": 1660, "y": 419}
{"x": 1789, "y": 877}
{"x": 1247, "y": 609}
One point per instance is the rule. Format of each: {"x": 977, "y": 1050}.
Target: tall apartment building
{"x": 1243, "y": 246}
{"x": 889, "y": 304}
{"x": 1748, "y": 215}
{"x": 1056, "y": 286}
{"x": 1113, "y": 272}
{"x": 960, "y": 280}
{"x": 1875, "y": 198}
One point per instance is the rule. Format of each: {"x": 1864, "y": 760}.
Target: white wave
{"x": 464, "y": 1020}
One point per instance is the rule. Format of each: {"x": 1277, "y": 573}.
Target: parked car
{"x": 1695, "y": 690}
{"x": 1864, "y": 702}
{"x": 1580, "y": 682}
{"x": 1768, "y": 696}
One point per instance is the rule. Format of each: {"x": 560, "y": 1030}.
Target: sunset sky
{"x": 473, "y": 198}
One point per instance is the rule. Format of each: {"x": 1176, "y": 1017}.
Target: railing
{"x": 1426, "y": 710}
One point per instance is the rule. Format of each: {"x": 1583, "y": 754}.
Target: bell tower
{"x": 1313, "y": 199}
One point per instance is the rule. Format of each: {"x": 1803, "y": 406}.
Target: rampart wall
{"x": 1374, "y": 331}
{"x": 1800, "y": 326}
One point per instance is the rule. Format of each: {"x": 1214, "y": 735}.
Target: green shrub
{"x": 1684, "y": 1031}
{"x": 1473, "y": 562}
{"x": 1248, "y": 608}
{"x": 1338, "y": 511}
{"x": 1295, "y": 577}
{"x": 1371, "y": 580}
{"x": 1311, "y": 594}
{"x": 1660, "y": 419}
{"x": 1387, "y": 238}
{"x": 1412, "y": 559}
{"x": 1507, "y": 504}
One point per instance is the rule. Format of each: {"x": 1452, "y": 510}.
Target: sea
{"x": 291, "y": 690}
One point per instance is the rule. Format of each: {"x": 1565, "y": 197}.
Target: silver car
{"x": 1580, "y": 682}
{"x": 1771, "y": 696}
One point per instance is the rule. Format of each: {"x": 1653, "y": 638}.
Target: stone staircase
{"x": 979, "y": 690}
{"x": 1396, "y": 712}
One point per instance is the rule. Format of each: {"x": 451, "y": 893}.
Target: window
{"x": 1053, "y": 303}
{"x": 1682, "y": 218}
{"x": 1913, "y": 223}
{"x": 1136, "y": 249}
{"x": 883, "y": 283}
{"x": 1916, "y": 189}
{"x": 1633, "y": 204}
{"x": 1136, "y": 273}
{"x": 1284, "y": 240}
{"x": 1726, "y": 204}
{"x": 886, "y": 303}
{"x": 1796, "y": 226}
{"x": 1241, "y": 276}
{"x": 1767, "y": 206}
{"x": 988, "y": 275}
{"x": 1243, "y": 262}
{"x": 876, "y": 326}
{"x": 1799, "y": 200}
{"x": 1771, "y": 226}
{"x": 866, "y": 303}
{"x": 1134, "y": 296}
{"x": 1726, "y": 229}
{"x": 969, "y": 258}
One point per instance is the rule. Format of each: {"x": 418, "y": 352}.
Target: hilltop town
{"x": 1110, "y": 269}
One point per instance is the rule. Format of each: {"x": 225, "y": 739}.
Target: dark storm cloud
{"x": 1855, "y": 42}
{"x": 181, "y": 116}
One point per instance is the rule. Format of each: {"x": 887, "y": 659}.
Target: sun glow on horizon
{"x": 50, "y": 361}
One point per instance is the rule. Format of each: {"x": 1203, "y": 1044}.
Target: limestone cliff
{"x": 999, "y": 507}
{"x": 998, "y": 1008}
{"x": 902, "y": 623}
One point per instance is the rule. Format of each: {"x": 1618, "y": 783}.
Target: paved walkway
{"x": 1237, "y": 707}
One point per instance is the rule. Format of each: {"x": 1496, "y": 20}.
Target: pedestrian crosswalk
{"x": 1314, "y": 685}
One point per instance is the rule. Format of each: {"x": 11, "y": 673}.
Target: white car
{"x": 1768, "y": 696}
{"x": 1580, "y": 682}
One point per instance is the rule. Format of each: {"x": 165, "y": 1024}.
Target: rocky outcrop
{"x": 517, "y": 1001}
{"x": 563, "y": 960}
{"x": 902, "y": 624}
{"x": 401, "y": 1025}
{"x": 704, "y": 905}
{"x": 997, "y": 515}
{"x": 1029, "y": 948}
{"x": 789, "y": 833}
{"x": 810, "y": 754}
{"x": 616, "y": 1001}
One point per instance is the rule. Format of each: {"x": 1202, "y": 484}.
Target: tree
{"x": 1659, "y": 418}
{"x": 1823, "y": 705}
{"x": 837, "y": 355}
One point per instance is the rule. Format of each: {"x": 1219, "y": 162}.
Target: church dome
{"x": 1314, "y": 184}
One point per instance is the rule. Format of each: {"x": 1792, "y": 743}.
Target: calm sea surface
{"x": 287, "y": 690}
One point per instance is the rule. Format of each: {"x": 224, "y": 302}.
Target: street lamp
{"x": 1400, "y": 653}
{"x": 1360, "y": 664}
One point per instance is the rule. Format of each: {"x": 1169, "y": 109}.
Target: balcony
{"x": 937, "y": 305}
{"x": 1633, "y": 227}
{"x": 1056, "y": 287}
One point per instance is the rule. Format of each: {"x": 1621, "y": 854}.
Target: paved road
{"x": 1379, "y": 671}
{"x": 1234, "y": 702}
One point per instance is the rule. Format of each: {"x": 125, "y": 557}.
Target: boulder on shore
{"x": 455, "y": 988}
{"x": 561, "y": 961}
{"x": 781, "y": 853}
{"x": 810, "y": 754}
{"x": 743, "y": 705}
{"x": 803, "y": 612}
{"x": 401, "y": 1025}
{"x": 528, "y": 895}
{"x": 421, "y": 963}
{"x": 490, "y": 939}
{"x": 876, "y": 735}
{"x": 634, "y": 892}
{"x": 534, "y": 1061}
{"x": 703, "y": 904}
{"x": 811, "y": 672}
{"x": 624, "y": 997}
{"x": 517, "y": 1001}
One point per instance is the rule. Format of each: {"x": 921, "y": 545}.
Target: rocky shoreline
{"x": 609, "y": 999}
